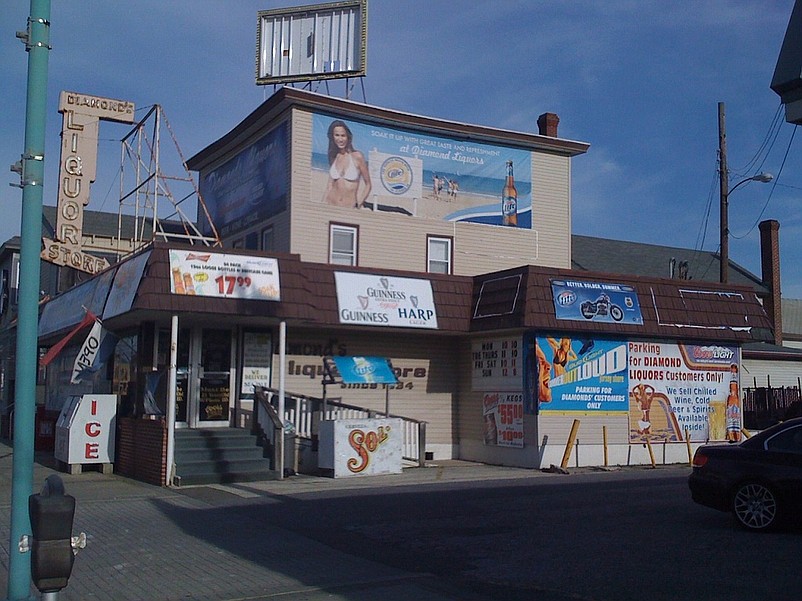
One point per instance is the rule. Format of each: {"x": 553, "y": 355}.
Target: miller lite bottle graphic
{"x": 509, "y": 199}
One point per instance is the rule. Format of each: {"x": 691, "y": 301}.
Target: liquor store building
{"x": 368, "y": 232}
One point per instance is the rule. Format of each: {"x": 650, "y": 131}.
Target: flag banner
{"x": 95, "y": 351}
{"x": 88, "y": 319}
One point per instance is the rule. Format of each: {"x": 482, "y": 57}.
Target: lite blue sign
{"x": 596, "y": 301}
{"x": 365, "y": 370}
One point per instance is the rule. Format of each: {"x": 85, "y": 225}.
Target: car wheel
{"x": 755, "y": 506}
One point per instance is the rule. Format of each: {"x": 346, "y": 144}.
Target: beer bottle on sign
{"x": 509, "y": 199}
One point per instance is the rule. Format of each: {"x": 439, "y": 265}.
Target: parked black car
{"x": 759, "y": 480}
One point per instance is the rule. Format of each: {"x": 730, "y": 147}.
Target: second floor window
{"x": 438, "y": 255}
{"x": 343, "y": 245}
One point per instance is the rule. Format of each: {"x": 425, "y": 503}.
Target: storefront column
{"x": 171, "y": 386}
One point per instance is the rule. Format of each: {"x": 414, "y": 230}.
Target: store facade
{"x": 400, "y": 247}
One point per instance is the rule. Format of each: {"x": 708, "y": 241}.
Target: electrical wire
{"x": 771, "y": 134}
{"x": 773, "y": 187}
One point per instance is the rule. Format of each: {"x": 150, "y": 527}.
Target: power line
{"x": 773, "y": 187}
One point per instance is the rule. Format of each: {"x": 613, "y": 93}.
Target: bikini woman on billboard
{"x": 347, "y": 167}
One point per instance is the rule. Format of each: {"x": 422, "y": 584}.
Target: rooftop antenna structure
{"x": 158, "y": 188}
{"x": 315, "y": 43}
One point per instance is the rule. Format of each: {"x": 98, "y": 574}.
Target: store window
{"x": 252, "y": 241}
{"x": 343, "y": 244}
{"x": 438, "y": 255}
{"x": 268, "y": 243}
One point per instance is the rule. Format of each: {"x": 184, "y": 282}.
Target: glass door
{"x": 213, "y": 379}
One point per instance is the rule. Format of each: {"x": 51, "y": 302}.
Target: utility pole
{"x": 724, "y": 228}
{"x": 31, "y": 169}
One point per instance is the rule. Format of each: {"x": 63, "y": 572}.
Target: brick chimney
{"x": 770, "y": 266}
{"x": 547, "y": 124}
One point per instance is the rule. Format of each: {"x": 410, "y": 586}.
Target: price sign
{"x": 497, "y": 364}
{"x": 503, "y": 419}
{"x": 222, "y": 275}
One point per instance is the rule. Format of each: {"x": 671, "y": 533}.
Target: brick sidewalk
{"x": 205, "y": 543}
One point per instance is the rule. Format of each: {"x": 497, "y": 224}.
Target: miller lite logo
{"x": 396, "y": 175}
{"x": 566, "y": 298}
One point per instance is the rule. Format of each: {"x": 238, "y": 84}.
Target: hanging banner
{"x": 595, "y": 301}
{"x": 224, "y": 276}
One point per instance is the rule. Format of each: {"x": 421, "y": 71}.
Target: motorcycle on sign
{"x": 601, "y": 307}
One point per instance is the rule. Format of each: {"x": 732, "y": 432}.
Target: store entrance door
{"x": 203, "y": 392}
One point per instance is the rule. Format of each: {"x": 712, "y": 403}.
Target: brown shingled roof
{"x": 519, "y": 298}
{"x": 670, "y": 308}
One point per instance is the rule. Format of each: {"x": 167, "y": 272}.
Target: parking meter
{"x": 51, "y": 512}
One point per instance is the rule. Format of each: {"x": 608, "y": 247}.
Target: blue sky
{"x": 639, "y": 80}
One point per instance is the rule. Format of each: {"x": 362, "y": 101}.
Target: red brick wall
{"x": 142, "y": 450}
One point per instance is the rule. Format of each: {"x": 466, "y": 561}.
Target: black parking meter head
{"x": 51, "y": 513}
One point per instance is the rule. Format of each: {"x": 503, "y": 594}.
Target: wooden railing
{"x": 303, "y": 413}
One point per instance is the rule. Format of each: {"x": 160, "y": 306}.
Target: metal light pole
{"x": 36, "y": 39}
{"x": 724, "y": 193}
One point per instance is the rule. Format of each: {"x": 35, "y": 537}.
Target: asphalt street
{"x": 453, "y": 531}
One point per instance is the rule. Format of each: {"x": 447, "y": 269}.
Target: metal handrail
{"x": 305, "y": 412}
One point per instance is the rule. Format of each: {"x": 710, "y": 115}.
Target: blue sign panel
{"x": 596, "y": 301}
{"x": 249, "y": 188}
{"x": 587, "y": 375}
{"x": 365, "y": 370}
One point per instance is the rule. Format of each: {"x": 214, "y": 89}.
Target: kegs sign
{"x": 81, "y": 115}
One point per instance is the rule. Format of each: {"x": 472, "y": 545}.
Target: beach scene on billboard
{"x": 579, "y": 375}
{"x": 596, "y": 301}
{"x": 410, "y": 173}
{"x": 679, "y": 390}
{"x": 249, "y": 188}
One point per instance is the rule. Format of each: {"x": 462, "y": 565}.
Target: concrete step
{"x": 219, "y": 455}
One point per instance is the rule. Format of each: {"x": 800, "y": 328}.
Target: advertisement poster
{"x": 503, "y": 419}
{"x": 385, "y": 301}
{"x": 674, "y": 388}
{"x": 224, "y": 276}
{"x": 596, "y": 301}
{"x": 581, "y": 375}
{"x": 249, "y": 188}
{"x": 365, "y": 166}
{"x": 497, "y": 364}
{"x": 257, "y": 349}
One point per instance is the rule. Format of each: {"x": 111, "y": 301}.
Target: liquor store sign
{"x": 81, "y": 115}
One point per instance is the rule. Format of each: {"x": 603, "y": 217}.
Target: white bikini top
{"x": 350, "y": 174}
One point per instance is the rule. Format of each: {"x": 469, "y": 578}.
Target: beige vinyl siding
{"x": 428, "y": 367}
{"x": 395, "y": 241}
{"x": 780, "y": 373}
{"x": 551, "y": 209}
